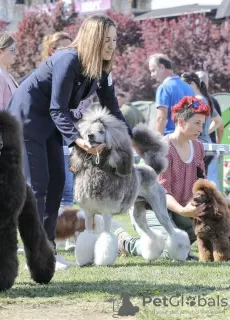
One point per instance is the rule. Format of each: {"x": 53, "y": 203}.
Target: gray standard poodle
{"x": 110, "y": 183}
{"x": 18, "y": 210}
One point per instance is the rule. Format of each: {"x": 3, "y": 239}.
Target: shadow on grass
{"x": 169, "y": 263}
{"x": 105, "y": 287}
{"x": 127, "y": 262}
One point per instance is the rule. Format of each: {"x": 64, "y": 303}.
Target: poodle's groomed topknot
{"x": 204, "y": 185}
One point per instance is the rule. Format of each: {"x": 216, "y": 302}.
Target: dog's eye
{"x": 101, "y": 132}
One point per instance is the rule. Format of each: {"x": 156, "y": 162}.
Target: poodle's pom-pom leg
{"x": 39, "y": 253}
{"x": 178, "y": 245}
{"x": 8, "y": 255}
{"x": 152, "y": 245}
{"x": 156, "y": 197}
{"x": 152, "y": 242}
{"x": 106, "y": 248}
{"x": 84, "y": 248}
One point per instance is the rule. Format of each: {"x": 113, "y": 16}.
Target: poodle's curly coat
{"x": 18, "y": 210}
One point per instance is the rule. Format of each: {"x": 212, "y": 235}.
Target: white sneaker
{"x": 61, "y": 263}
{"x": 70, "y": 244}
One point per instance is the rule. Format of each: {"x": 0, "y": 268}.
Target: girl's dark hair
{"x": 192, "y": 76}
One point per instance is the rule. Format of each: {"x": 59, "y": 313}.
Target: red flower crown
{"x": 189, "y": 102}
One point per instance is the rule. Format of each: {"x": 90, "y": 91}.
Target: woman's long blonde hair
{"x": 52, "y": 41}
{"x": 89, "y": 45}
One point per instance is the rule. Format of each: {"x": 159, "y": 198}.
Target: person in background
{"x": 8, "y": 84}
{"x": 226, "y": 179}
{"x": 170, "y": 91}
{"x": 216, "y": 136}
{"x": 43, "y": 104}
{"x": 50, "y": 44}
{"x": 132, "y": 115}
{"x": 185, "y": 166}
{"x": 213, "y": 121}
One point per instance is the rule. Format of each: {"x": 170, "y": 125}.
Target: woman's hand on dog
{"x": 193, "y": 211}
{"x": 85, "y": 145}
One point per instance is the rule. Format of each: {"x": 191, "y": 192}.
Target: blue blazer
{"x": 44, "y": 99}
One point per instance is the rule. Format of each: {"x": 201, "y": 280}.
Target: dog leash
{"x": 97, "y": 157}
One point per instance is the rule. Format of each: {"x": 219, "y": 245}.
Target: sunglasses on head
{"x": 187, "y": 77}
{"x": 193, "y": 104}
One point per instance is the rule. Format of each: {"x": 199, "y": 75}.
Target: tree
{"x": 193, "y": 42}
{"x": 129, "y": 32}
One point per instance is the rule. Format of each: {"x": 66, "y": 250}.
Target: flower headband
{"x": 189, "y": 102}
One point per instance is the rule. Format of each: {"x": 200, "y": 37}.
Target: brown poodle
{"x": 213, "y": 228}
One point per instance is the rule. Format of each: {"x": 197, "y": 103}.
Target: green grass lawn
{"x": 132, "y": 275}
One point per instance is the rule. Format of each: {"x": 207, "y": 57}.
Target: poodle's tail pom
{"x": 151, "y": 147}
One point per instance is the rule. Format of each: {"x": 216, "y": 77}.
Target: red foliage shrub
{"x": 193, "y": 43}
{"x": 36, "y": 23}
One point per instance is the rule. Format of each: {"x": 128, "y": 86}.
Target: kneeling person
{"x": 185, "y": 166}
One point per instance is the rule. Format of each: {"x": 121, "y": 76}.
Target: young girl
{"x": 185, "y": 166}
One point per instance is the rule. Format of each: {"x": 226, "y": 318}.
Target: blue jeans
{"x": 67, "y": 197}
{"x": 212, "y": 174}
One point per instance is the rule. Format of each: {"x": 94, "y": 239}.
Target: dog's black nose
{"x": 91, "y": 136}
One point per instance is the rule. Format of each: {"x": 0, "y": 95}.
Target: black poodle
{"x": 18, "y": 210}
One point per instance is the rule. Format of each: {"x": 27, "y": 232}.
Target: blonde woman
{"x": 43, "y": 103}
{"x": 7, "y": 55}
{"x": 50, "y": 44}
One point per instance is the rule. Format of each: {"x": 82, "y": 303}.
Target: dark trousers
{"x": 46, "y": 175}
